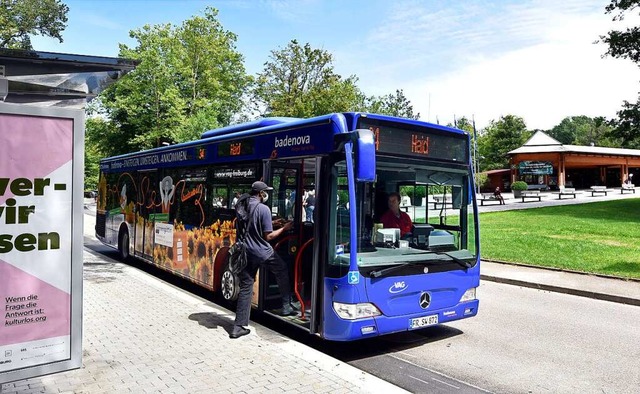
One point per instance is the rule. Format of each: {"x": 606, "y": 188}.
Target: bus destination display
{"x": 236, "y": 148}
{"x": 415, "y": 143}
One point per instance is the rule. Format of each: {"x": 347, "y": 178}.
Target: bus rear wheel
{"x": 229, "y": 285}
{"x": 123, "y": 245}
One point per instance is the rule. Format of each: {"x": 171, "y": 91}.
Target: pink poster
{"x": 36, "y": 216}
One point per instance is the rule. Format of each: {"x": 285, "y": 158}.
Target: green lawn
{"x": 602, "y": 237}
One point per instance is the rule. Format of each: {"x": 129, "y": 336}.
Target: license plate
{"x": 423, "y": 321}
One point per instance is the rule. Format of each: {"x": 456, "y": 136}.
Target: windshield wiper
{"x": 463, "y": 263}
{"x": 379, "y": 273}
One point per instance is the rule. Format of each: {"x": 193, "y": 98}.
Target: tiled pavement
{"x": 143, "y": 335}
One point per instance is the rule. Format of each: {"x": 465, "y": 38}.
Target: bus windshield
{"x": 435, "y": 213}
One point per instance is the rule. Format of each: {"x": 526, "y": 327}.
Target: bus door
{"x": 146, "y": 214}
{"x": 293, "y": 182}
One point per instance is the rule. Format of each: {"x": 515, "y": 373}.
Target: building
{"x": 497, "y": 178}
{"x": 545, "y": 163}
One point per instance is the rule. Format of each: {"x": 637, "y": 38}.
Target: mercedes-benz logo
{"x": 425, "y": 300}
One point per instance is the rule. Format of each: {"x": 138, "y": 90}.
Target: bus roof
{"x": 256, "y": 124}
{"x": 280, "y": 138}
{"x": 352, "y": 121}
{"x": 266, "y": 136}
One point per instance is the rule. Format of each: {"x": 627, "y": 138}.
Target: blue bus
{"x": 173, "y": 207}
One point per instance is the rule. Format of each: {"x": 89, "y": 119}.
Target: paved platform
{"x": 549, "y": 198}
{"x": 142, "y": 335}
{"x": 584, "y": 285}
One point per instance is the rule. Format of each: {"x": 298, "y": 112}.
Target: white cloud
{"x": 292, "y": 11}
{"x": 536, "y": 60}
{"x": 545, "y": 83}
{"x": 542, "y": 84}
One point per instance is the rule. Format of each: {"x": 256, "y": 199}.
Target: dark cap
{"x": 259, "y": 186}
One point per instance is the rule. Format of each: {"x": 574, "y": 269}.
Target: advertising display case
{"x": 41, "y": 240}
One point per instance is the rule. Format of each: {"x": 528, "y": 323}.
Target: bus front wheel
{"x": 123, "y": 245}
{"x": 229, "y": 284}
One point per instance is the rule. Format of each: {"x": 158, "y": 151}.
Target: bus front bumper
{"x": 382, "y": 325}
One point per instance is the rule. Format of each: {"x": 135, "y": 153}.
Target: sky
{"x": 484, "y": 59}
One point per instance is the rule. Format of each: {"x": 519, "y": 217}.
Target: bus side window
{"x": 219, "y": 197}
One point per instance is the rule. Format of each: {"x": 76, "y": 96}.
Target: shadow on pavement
{"x": 392, "y": 343}
{"x": 345, "y": 351}
{"x": 212, "y": 320}
{"x": 101, "y": 272}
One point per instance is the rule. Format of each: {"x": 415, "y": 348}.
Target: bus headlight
{"x": 469, "y": 295}
{"x": 355, "y": 311}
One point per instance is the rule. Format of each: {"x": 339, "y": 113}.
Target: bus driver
{"x": 394, "y": 217}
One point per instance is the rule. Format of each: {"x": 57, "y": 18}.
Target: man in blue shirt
{"x": 259, "y": 230}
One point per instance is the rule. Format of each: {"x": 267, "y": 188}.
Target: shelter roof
{"x": 541, "y": 139}
{"x": 542, "y": 143}
{"x": 499, "y": 171}
{"x": 58, "y": 79}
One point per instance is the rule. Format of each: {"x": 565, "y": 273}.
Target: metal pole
{"x": 475, "y": 150}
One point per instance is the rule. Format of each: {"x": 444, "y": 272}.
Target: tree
{"x": 583, "y": 130}
{"x": 626, "y": 45}
{"x": 95, "y": 127}
{"x": 190, "y": 79}
{"x": 391, "y": 104}
{"x": 623, "y": 44}
{"x": 500, "y": 137}
{"x": 469, "y": 126}
{"x": 464, "y": 124}
{"x": 627, "y": 126}
{"x": 299, "y": 81}
{"x": 20, "y": 19}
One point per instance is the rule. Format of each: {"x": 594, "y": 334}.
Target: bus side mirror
{"x": 365, "y": 156}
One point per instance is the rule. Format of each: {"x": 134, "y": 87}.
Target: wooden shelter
{"x": 545, "y": 163}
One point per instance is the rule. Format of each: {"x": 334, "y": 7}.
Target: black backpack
{"x": 238, "y": 251}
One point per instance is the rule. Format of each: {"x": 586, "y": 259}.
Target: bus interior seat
{"x": 381, "y": 206}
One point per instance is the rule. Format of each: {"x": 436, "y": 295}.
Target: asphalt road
{"x": 522, "y": 341}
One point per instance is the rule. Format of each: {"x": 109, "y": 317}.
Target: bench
{"x": 599, "y": 189}
{"x": 438, "y": 200}
{"x": 489, "y": 197}
{"x": 566, "y": 191}
{"x": 628, "y": 187}
{"x": 531, "y": 194}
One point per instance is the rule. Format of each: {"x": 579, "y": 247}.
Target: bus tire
{"x": 123, "y": 245}
{"x": 229, "y": 284}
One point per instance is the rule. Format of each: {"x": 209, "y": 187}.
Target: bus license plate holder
{"x": 423, "y": 321}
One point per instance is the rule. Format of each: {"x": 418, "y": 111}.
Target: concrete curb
{"x": 541, "y": 267}
{"x": 565, "y": 290}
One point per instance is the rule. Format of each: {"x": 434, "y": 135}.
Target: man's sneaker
{"x": 296, "y": 305}
{"x": 238, "y": 331}
{"x": 287, "y": 310}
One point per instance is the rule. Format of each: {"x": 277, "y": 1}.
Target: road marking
{"x": 419, "y": 380}
{"x": 434, "y": 372}
{"x": 443, "y": 382}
